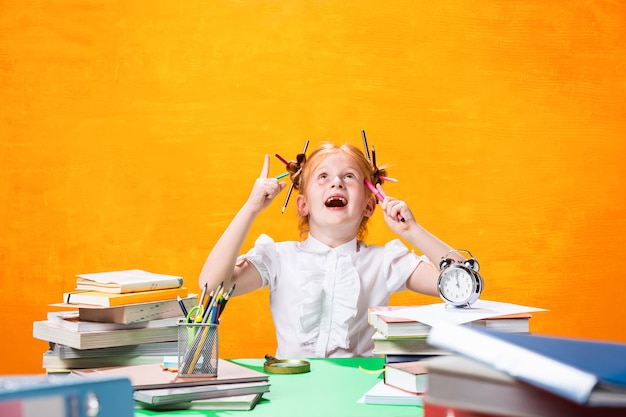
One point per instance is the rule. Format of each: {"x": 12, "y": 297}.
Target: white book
{"x": 150, "y": 349}
{"x": 53, "y": 361}
{"x": 132, "y": 280}
{"x": 382, "y": 393}
{"x": 44, "y": 330}
{"x": 71, "y": 320}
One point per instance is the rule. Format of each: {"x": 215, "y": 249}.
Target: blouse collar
{"x": 311, "y": 244}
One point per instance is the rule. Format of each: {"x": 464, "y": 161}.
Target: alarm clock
{"x": 459, "y": 282}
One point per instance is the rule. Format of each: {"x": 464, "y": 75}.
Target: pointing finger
{"x": 266, "y": 167}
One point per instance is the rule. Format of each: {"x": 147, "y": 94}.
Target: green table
{"x": 332, "y": 388}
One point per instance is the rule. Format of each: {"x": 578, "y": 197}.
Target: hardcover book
{"x": 408, "y": 376}
{"x": 465, "y": 387}
{"x": 105, "y": 299}
{"x": 584, "y": 371}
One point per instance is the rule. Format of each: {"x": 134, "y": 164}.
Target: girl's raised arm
{"x": 220, "y": 264}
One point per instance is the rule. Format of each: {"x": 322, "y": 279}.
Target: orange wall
{"x": 130, "y": 133}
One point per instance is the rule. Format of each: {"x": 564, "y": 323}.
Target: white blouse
{"x": 319, "y": 295}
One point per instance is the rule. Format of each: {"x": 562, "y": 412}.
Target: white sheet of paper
{"x": 481, "y": 309}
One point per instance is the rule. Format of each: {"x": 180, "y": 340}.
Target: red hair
{"x": 301, "y": 169}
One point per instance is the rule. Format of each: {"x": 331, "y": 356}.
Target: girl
{"x": 321, "y": 287}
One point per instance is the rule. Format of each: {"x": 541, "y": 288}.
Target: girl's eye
{"x": 322, "y": 176}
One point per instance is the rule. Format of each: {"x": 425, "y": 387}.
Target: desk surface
{"x": 332, "y": 388}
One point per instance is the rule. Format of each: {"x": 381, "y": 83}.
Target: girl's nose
{"x": 337, "y": 182}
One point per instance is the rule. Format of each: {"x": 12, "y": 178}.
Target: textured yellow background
{"x": 130, "y": 133}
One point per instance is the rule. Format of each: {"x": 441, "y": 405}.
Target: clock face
{"x": 457, "y": 285}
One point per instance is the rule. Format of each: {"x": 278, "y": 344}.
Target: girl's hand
{"x": 264, "y": 190}
{"x": 393, "y": 211}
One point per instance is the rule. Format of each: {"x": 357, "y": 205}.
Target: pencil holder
{"x": 197, "y": 349}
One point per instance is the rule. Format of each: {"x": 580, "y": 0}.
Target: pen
{"x": 379, "y": 195}
{"x": 283, "y": 175}
{"x": 367, "y": 150}
{"x": 388, "y": 179}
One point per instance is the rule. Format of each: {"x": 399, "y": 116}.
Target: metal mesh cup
{"x": 197, "y": 349}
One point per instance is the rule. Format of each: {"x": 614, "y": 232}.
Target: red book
{"x": 437, "y": 410}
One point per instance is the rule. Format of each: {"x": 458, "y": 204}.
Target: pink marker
{"x": 379, "y": 195}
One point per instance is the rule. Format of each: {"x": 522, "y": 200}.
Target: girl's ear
{"x": 370, "y": 207}
{"x": 303, "y": 210}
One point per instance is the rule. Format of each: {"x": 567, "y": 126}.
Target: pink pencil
{"x": 281, "y": 159}
{"x": 379, "y": 195}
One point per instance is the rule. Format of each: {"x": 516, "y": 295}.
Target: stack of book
{"x": 505, "y": 374}
{"x": 403, "y": 383}
{"x": 404, "y": 344}
{"x": 399, "y": 339}
{"x": 115, "y": 319}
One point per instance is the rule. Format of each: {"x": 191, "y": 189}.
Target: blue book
{"x": 393, "y": 358}
{"x": 65, "y": 396}
{"x": 589, "y": 372}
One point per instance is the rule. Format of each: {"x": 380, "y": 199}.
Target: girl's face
{"x": 335, "y": 195}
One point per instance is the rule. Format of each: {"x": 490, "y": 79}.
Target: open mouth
{"x": 336, "y": 202}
